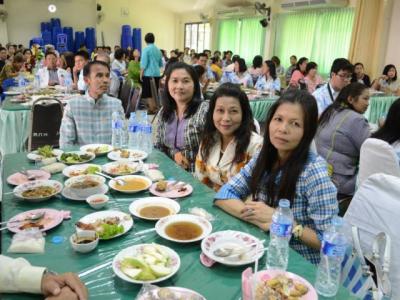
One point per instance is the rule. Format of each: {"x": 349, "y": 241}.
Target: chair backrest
{"x": 375, "y": 208}
{"x": 46, "y": 116}
{"x": 134, "y": 101}
{"x": 257, "y": 126}
{"x": 126, "y": 93}
{"x": 154, "y": 92}
{"x": 377, "y": 156}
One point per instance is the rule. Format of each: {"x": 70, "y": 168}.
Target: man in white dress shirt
{"x": 51, "y": 75}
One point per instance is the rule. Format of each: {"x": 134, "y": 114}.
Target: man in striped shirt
{"x": 87, "y": 118}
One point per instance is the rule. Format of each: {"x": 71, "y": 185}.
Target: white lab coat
{"x": 44, "y": 76}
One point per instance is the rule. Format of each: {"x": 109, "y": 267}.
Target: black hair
{"x": 200, "y": 70}
{"x": 202, "y": 55}
{"x": 352, "y": 90}
{"x": 18, "y": 58}
{"x": 242, "y": 134}
{"x": 272, "y": 68}
{"x": 149, "y": 38}
{"x": 341, "y": 64}
{"x": 50, "y": 53}
{"x": 169, "y": 63}
{"x": 386, "y": 70}
{"x": 69, "y": 59}
{"x": 242, "y": 65}
{"x": 235, "y": 58}
{"x": 83, "y": 54}
{"x": 119, "y": 53}
{"x": 311, "y": 65}
{"x": 169, "y": 105}
{"x": 25, "y": 50}
{"x": 2, "y": 48}
{"x": 276, "y": 60}
{"x": 300, "y": 62}
{"x": 257, "y": 61}
{"x": 268, "y": 158}
{"x": 215, "y": 59}
{"x": 358, "y": 64}
{"x": 390, "y": 131}
{"x": 88, "y": 67}
{"x": 294, "y": 56}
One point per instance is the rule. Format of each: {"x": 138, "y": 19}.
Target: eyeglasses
{"x": 344, "y": 76}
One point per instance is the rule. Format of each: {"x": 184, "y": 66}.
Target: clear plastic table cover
{"x": 94, "y": 268}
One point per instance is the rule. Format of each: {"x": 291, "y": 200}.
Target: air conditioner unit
{"x": 312, "y": 4}
{"x": 232, "y": 12}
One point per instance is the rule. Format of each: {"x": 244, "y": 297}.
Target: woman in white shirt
{"x": 268, "y": 81}
{"x": 119, "y": 63}
{"x": 388, "y": 82}
{"x": 239, "y": 74}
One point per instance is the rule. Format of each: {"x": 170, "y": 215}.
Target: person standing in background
{"x": 150, "y": 65}
{"x": 289, "y": 71}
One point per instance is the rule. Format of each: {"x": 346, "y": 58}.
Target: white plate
{"x": 138, "y": 204}
{"x": 92, "y": 156}
{"x": 85, "y": 148}
{"x": 11, "y": 93}
{"x": 35, "y": 156}
{"x": 202, "y": 222}
{"x": 109, "y": 166}
{"x": 78, "y": 168}
{"x": 230, "y": 238}
{"x": 137, "y": 249}
{"x": 138, "y": 155}
{"x": 178, "y": 293}
{"x": 127, "y": 223}
{"x": 113, "y": 183}
{"x": 67, "y": 193}
{"x": 37, "y": 183}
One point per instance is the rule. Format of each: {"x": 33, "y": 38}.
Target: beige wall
{"x": 150, "y": 18}
{"x": 393, "y": 45}
{"x": 24, "y": 16}
{"x": 3, "y": 29}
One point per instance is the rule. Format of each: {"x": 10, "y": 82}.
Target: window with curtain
{"x": 244, "y": 37}
{"x": 320, "y": 35}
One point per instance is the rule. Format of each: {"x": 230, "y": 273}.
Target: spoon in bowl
{"x": 118, "y": 181}
{"x": 228, "y": 251}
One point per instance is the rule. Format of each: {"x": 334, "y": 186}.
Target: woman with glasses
{"x": 388, "y": 82}
{"x": 342, "y": 130}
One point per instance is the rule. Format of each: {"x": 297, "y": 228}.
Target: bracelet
{"x": 298, "y": 231}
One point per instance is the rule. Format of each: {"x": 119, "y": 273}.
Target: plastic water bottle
{"x": 333, "y": 249}
{"x": 146, "y": 133}
{"x": 116, "y": 125}
{"x": 36, "y": 82}
{"x": 68, "y": 83}
{"x": 280, "y": 234}
{"x": 21, "y": 81}
{"x": 133, "y": 129}
{"x": 125, "y": 133}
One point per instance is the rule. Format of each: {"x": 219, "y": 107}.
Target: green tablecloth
{"x": 260, "y": 107}
{"x": 14, "y": 127}
{"x": 378, "y": 106}
{"x": 218, "y": 282}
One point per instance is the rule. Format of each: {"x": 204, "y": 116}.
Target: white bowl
{"x": 84, "y": 248}
{"x": 85, "y": 192}
{"x": 113, "y": 183}
{"x": 97, "y": 205}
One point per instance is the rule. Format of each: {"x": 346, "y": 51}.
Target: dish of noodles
{"x": 38, "y": 190}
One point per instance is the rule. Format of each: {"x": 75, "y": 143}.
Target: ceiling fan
{"x": 262, "y": 8}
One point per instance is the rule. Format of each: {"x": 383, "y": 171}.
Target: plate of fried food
{"x": 108, "y": 224}
{"x": 49, "y": 218}
{"x": 278, "y": 285}
{"x": 127, "y": 155}
{"x": 171, "y": 189}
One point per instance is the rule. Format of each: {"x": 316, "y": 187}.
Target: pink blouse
{"x": 296, "y": 76}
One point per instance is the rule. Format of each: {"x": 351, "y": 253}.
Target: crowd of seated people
{"x": 215, "y": 139}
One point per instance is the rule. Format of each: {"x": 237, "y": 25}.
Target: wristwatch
{"x": 298, "y": 231}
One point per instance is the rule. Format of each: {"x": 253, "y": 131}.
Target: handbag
{"x": 367, "y": 276}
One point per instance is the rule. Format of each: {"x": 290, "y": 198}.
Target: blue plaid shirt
{"x": 88, "y": 122}
{"x": 314, "y": 205}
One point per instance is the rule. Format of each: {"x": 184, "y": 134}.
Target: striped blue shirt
{"x": 86, "y": 121}
{"x": 263, "y": 84}
{"x": 314, "y": 205}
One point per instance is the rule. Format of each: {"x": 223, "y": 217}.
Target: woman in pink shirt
{"x": 312, "y": 78}
{"x": 298, "y": 74}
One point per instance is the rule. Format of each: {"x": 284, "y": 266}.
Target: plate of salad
{"x": 108, "y": 224}
{"x": 76, "y": 157}
{"x": 97, "y": 149}
{"x": 46, "y": 151}
{"x": 84, "y": 169}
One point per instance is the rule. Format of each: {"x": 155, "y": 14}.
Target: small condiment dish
{"x": 84, "y": 241}
{"x": 97, "y": 201}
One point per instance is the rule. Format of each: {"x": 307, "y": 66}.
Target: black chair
{"x": 126, "y": 93}
{"x": 134, "y": 101}
{"x": 46, "y": 116}
{"x": 154, "y": 93}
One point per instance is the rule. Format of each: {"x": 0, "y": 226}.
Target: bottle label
{"x": 146, "y": 129}
{"x": 281, "y": 230}
{"x": 133, "y": 128}
{"x": 117, "y": 124}
{"x": 330, "y": 249}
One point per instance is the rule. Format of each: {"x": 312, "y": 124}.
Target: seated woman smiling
{"x": 229, "y": 141}
{"x": 286, "y": 168}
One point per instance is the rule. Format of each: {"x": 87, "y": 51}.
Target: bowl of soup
{"x": 130, "y": 183}
{"x": 183, "y": 228}
{"x": 153, "y": 208}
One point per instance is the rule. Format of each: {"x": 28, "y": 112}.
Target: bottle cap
{"x": 57, "y": 239}
{"x": 284, "y": 203}
{"x": 337, "y": 221}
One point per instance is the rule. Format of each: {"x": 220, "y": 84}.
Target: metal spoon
{"x": 29, "y": 176}
{"x": 32, "y": 218}
{"x": 228, "y": 251}
{"x": 119, "y": 181}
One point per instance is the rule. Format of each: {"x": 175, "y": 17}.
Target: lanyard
{"x": 330, "y": 92}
